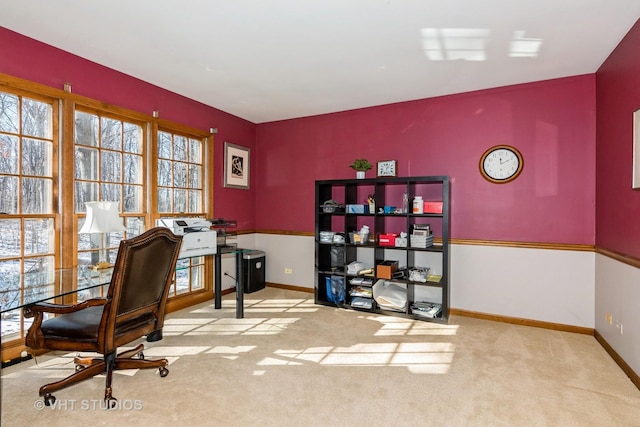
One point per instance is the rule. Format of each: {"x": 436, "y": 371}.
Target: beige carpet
{"x": 292, "y": 363}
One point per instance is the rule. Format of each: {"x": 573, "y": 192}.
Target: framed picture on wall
{"x": 636, "y": 151}
{"x": 236, "y": 166}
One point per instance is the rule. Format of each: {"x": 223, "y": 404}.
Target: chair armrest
{"x": 35, "y": 338}
{"x": 45, "y": 307}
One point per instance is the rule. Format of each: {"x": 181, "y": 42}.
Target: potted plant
{"x": 360, "y": 166}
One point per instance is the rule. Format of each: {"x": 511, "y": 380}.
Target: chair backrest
{"x": 142, "y": 275}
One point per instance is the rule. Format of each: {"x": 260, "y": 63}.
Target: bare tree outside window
{"x": 108, "y": 161}
{"x": 27, "y": 217}
{"x": 181, "y": 193}
{"x": 180, "y": 169}
{"x": 108, "y": 167}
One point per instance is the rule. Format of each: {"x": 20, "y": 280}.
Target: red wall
{"x": 38, "y": 62}
{"x": 551, "y": 122}
{"x": 617, "y": 97}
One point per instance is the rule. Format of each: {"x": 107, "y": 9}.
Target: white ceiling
{"x": 266, "y": 60}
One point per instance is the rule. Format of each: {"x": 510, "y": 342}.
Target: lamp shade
{"x": 102, "y": 217}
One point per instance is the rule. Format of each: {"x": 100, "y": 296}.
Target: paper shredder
{"x": 253, "y": 270}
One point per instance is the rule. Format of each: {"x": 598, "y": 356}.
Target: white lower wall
{"x": 292, "y": 252}
{"x": 617, "y": 290}
{"x": 548, "y": 285}
{"x": 540, "y": 284}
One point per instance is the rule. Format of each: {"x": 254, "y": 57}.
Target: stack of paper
{"x": 361, "y": 291}
{"x": 426, "y": 309}
{"x": 359, "y": 302}
{"x": 355, "y": 267}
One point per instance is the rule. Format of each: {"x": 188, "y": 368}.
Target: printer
{"x": 197, "y": 237}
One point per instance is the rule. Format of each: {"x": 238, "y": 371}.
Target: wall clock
{"x": 501, "y": 164}
{"x": 388, "y": 168}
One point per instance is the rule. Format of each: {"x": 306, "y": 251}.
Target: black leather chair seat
{"x": 83, "y": 325}
{"x": 78, "y": 326}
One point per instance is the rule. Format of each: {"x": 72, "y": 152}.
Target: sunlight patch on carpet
{"x": 224, "y": 349}
{"x": 418, "y": 358}
{"x": 395, "y": 326}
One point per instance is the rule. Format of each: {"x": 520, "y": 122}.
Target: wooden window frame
{"x": 176, "y": 299}
{"x": 54, "y": 214}
{"x": 66, "y": 226}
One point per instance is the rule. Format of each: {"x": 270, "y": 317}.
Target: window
{"x": 180, "y": 184}
{"x": 109, "y": 159}
{"x": 44, "y": 185}
{"x": 180, "y": 181}
{"x": 27, "y": 212}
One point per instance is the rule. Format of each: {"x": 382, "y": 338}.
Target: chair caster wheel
{"x": 49, "y": 399}
{"x": 141, "y": 356}
{"x": 163, "y": 372}
{"x": 111, "y": 402}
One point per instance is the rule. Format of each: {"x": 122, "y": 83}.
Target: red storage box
{"x": 433, "y": 207}
{"x": 388, "y": 239}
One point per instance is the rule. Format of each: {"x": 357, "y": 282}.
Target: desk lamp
{"x": 102, "y": 218}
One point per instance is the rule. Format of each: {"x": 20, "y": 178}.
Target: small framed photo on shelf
{"x": 387, "y": 168}
{"x": 236, "y": 166}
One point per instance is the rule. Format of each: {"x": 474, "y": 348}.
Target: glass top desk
{"x": 42, "y": 286}
{"x": 88, "y": 283}
{"x": 74, "y": 285}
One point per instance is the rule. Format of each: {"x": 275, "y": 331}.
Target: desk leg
{"x": 217, "y": 281}
{"x": 239, "y": 287}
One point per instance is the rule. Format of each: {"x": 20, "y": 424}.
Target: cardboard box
{"x": 385, "y": 269}
{"x": 433, "y": 207}
{"x": 388, "y": 239}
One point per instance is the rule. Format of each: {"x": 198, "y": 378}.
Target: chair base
{"x": 88, "y": 367}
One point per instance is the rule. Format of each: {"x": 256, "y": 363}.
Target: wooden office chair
{"x": 133, "y": 308}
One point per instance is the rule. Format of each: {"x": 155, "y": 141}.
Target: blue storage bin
{"x": 335, "y": 289}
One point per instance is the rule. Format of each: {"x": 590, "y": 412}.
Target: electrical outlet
{"x": 288, "y": 270}
{"x": 619, "y": 326}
